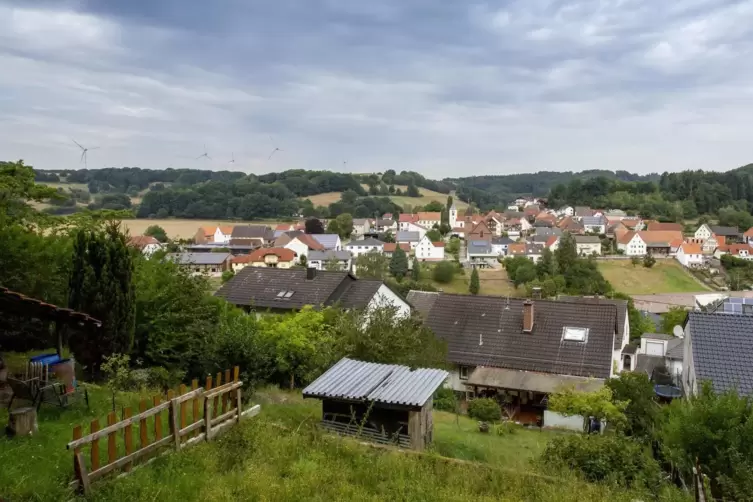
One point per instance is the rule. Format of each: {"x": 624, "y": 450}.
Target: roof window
{"x": 571, "y": 334}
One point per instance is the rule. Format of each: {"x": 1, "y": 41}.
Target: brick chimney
{"x": 527, "y": 316}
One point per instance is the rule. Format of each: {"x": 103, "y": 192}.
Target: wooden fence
{"x": 212, "y": 410}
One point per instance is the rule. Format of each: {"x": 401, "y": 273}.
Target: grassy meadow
{"x": 493, "y": 283}
{"x": 666, "y": 276}
{"x": 182, "y": 229}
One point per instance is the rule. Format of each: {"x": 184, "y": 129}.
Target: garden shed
{"x": 384, "y": 403}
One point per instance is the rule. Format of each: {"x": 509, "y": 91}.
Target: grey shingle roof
{"x": 381, "y": 383}
{"x": 422, "y": 301}
{"x": 407, "y": 236}
{"x": 329, "y": 254}
{"x": 593, "y": 220}
{"x": 676, "y": 349}
{"x": 366, "y": 242}
{"x": 548, "y": 231}
{"x": 485, "y": 331}
{"x": 260, "y": 287}
{"x": 479, "y": 247}
{"x": 587, "y": 239}
{"x": 630, "y": 349}
{"x": 252, "y": 232}
{"x": 620, "y": 305}
{"x": 726, "y": 231}
{"x": 198, "y": 258}
{"x": 723, "y": 350}
{"x": 359, "y": 294}
{"x": 583, "y": 211}
{"x": 329, "y": 241}
{"x": 502, "y": 241}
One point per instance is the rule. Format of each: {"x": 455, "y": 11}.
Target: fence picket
{"x": 95, "y": 445}
{"x": 195, "y": 406}
{"x": 183, "y": 408}
{"x": 128, "y": 432}
{"x": 216, "y": 400}
{"x": 112, "y": 453}
{"x": 225, "y": 396}
{"x": 143, "y": 434}
{"x": 157, "y": 420}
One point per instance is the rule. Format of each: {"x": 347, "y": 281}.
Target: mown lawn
{"x": 493, "y": 283}
{"x": 666, "y": 276}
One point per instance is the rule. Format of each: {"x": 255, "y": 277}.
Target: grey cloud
{"x": 446, "y": 88}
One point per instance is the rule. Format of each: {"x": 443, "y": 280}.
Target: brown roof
{"x": 749, "y": 232}
{"x": 389, "y": 247}
{"x": 283, "y": 254}
{"x": 631, "y": 223}
{"x": 660, "y": 236}
{"x": 551, "y": 240}
{"x": 656, "y": 226}
{"x": 438, "y": 244}
{"x": 208, "y": 231}
{"x": 734, "y": 249}
{"x": 408, "y": 218}
{"x": 517, "y": 248}
{"x": 626, "y": 237}
{"x": 226, "y": 229}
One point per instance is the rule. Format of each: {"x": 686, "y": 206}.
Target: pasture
{"x": 182, "y": 229}
{"x": 325, "y": 199}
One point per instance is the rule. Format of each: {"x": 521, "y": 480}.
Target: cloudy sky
{"x": 447, "y": 88}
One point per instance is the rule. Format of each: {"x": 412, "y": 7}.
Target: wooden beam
{"x": 115, "y": 427}
{"x": 223, "y": 389}
{"x": 81, "y": 473}
{"x": 130, "y": 458}
{"x": 174, "y": 422}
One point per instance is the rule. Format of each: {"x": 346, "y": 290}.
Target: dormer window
{"x": 573, "y": 334}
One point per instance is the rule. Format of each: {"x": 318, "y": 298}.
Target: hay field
{"x": 183, "y": 229}
{"x": 325, "y": 199}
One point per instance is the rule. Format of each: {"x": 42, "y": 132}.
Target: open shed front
{"x": 525, "y": 393}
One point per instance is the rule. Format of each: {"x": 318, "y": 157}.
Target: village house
{"x": 391, "y": 404}
{"x": 730, "y": 234}
{"x": 479, "y": 232}
{"x": 265, "y": 257}
{"x": 587, "y": 245}
{"x": 429, "y": 219}
{"x": 280, "y": 290}
{"x": 583, "y": 211}
{"x": 748, "y": 235}
{"x": 742, "y": 251}
{"x": 383, "y": 225}
{"x": 659, "y": 243}
{"x": 251, "y": 235}
{"x": 410, "y": 238}
{"x": 594, "y": 224}
{"x": 689, "y": 255}
{"x": 328, "y": 241}
{"x": 211, "y": 264}
{"x": 480, "y": 253}
{"x": 301, "y": 243}
{"x": 320, "y": 259}
{"x": 523, "y": 350}
{"x": 500, "y": 245}
{"x": 361, "y": 226}
{"x": 566, "y": 211}
{"x": 718, "y": 349}
{"x": 570, "y": 224}
{"x": 357, "y": 248}
{"x": 426, "y": 250}
{"x": 615, "y": 214}
{"x": 147, "y": 244}
{"x": 389, "y": 248}
{"x": 659, "y": 226}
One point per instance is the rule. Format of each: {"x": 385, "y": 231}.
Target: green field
{"x": 493, "y": 283}
{"x": 666, "y": 276}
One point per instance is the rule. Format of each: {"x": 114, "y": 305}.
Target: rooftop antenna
{"x": 277, "y": 149}
{"x": 205, "y": 154}
{"x": 83, "y": 152}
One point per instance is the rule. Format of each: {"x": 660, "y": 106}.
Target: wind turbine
{"x": 232, "y": 158}
{"x": 83, "y": 152}
{"x": 273, "y": 151}
{"x": 205, "y": 154}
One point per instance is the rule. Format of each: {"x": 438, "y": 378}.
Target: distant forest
{"x": 194, "y": 193}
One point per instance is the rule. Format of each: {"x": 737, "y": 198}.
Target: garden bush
{"x": 444, "y": 400}
{"x": 608, "y": 457}
{"x": 484, "y": 409}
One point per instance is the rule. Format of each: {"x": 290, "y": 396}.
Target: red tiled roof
{"x": 408, "y": 218}
{"x": 551, "y": 240}
{"x": 517, "y": 248}
{"x": 691, "y": 248}
{"x": 734, "y": 249}
{"x": 141, "y": 241}
{"x": 390, "y": 247}
{"x": 227, "y": 229}
{"x": 664, "y": 226}
{"x": 749, "y": 232}
{"x": 626, "y": 237}
{"x": 431, "y": 216}
{"x": 438, "y": 244}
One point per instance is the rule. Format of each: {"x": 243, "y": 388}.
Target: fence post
{"x": 208, "y": 418}
{"x": 217, "y": 383}
{"x": 238, "y": 404}
{"x": 195, "y": 406}
{"x": 236, "y": 375}
{"x": 174, "y": 424}
{"x": 143, "y": 436}
{"x": 81, "y": 474}
{"x": 225, "y": 396}
{"x": 183, "y": 408}
{"x": 95, "y": 445}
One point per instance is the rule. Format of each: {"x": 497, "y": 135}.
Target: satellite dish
{"x": 678, "y": 331}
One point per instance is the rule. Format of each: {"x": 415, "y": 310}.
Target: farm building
{"x": 385, "y": 403}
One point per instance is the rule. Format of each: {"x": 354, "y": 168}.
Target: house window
{"x": 463, "y": 370}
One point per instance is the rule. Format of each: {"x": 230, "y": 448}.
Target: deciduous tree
{"x": 399, "y": 264}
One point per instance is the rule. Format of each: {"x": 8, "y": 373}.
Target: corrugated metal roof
{"x": 382, "y": 383}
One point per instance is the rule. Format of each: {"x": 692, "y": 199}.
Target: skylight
{"x": 288, "y": 294}
{"x": 572, "y": 334}
{"x": 281, "y": 294}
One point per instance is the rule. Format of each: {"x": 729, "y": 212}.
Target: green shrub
{"x": 608, "y": 457}
{"x": 444, "y": 271}
{"x": 444, "y": 400}
{"x": 506, "y": 428}
{"x": 484, "y": 409}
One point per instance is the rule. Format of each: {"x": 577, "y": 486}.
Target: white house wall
{"x": 386, "y": 297}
